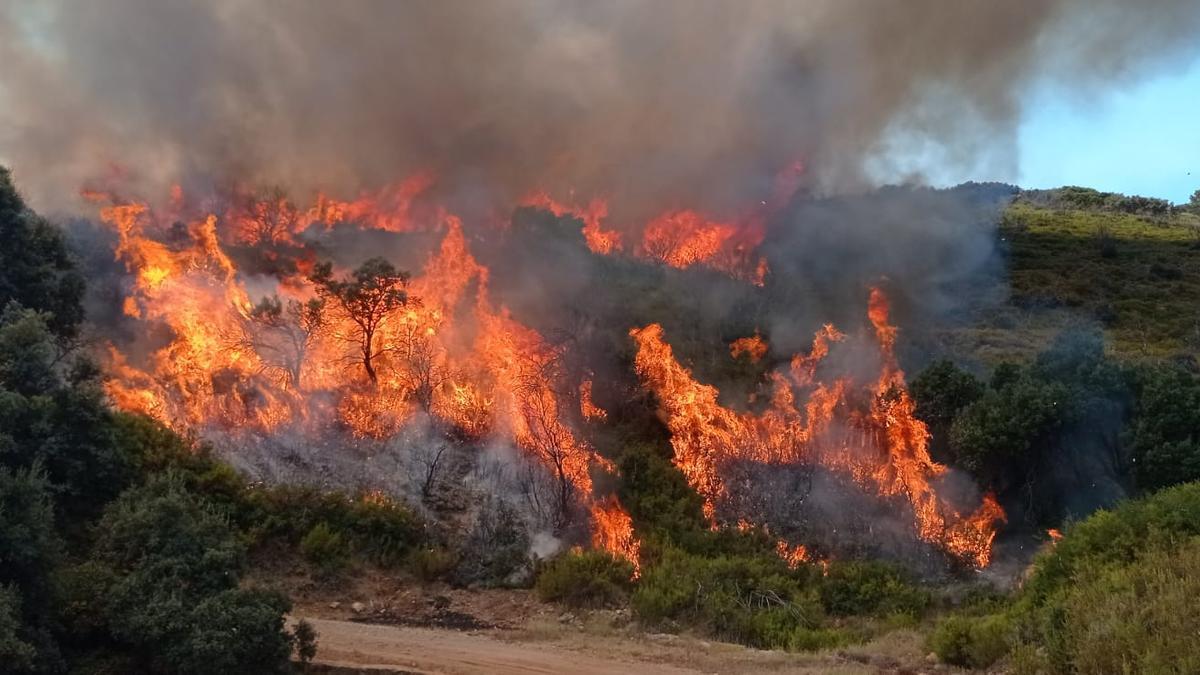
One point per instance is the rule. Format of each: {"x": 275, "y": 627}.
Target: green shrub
{"x": 1163, "y": 520}
{"x": 1116, "y": 594}
{"x": 816, "y": 639}
{"x": 972, "y": 642}
{"x": 173, "y": 597}
{"x": 870, "y": 588}
{"x": 587, "y": 579}
{"x": 378, "y": 528}
{"x": 431, "y": 564}
{"x": 495, "y": 551}
{"x": 325, "y": 549}
{"x": 755, "y": 600}
{"x": 304, "y": 638}
{"x": 1139, "y": 617}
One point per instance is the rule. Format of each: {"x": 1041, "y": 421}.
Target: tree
{"x": 174, "y": 597}
{"x": 368, "y": 296}
{"x": 268, "y": 218}
{"x": 36, "y": 267}
{"x": 940, "y": 392}
{"x": 57, "y": 420}
{"x": 1164, "y": 434}
{"x": 29, "y": 550}
{"x": 282, "y": 334}
{"x": 1194, "y": 202}
{"x": 423, "y": 363}
{"x": 1001, "y": 435}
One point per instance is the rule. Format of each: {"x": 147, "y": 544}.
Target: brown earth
{"x": 375, "y": 622}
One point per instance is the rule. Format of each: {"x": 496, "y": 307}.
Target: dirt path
{"x": 422, "y": 650}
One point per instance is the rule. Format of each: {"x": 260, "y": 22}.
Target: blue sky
{"x": 1143, "y": 139}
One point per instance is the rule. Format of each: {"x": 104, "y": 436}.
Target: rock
{"x": 358, "y": 607}
{"x": 334, "y": 605}
{"x": 931, "y": 657}
{"x": 566, "y": 617}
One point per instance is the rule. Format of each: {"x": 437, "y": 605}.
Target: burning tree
{"x": 268, "y": 218}
{"x": 423, "y": 361}
{"x": 368, "y": 296}
{"x": 282, "y": 334}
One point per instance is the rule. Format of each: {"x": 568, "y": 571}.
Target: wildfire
{"x": 754, "y": 347}
{"x": 599, "y": 239}
{"x": 289, "y": 356}
{"x": 254, "y": 366}
{"x": 883, "y": 448}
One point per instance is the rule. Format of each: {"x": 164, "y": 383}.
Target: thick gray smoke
{"x": 694, "y": 102}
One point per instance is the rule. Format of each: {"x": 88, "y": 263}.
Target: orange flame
{"x": 230, "y": 364}
{"x": 754, "y": 347}
{"x": 886, "y": 449}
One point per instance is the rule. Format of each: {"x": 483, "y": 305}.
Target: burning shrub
{"x": 585, "y": 579}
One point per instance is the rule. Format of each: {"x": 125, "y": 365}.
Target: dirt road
{"x": 422, "y": 650}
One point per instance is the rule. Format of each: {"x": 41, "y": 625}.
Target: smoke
{"x": 653, "y": 102}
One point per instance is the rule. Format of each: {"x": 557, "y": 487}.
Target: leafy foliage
{"x": 324, "y": 549}
{"x": 1164, "y": 434}
{"x": 36, "y": 269}
{"x": 972, "y": 642}
{"x": 29, "y": 550}
{"x": 367, "y": 296}
{"x": 1116, "y": 594}
{"x": 753, "y": 600}
{"x": 174, "y": 597}
{"x": 585, "y": 579}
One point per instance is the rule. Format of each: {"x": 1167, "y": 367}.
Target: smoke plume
{"x": 655, "y": 102}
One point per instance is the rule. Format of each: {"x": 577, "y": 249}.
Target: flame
{"x": 451, "y": 351}
{"x": 587, "y": 407}
{"x": 883, "y": 448}
{"x": 388, "y": 209}
{"x": 754, "y": 347}
{"x": 1054, "y": 534}
{"x": 794, "y": 556}
{"x": 599, "y": 239}
{"x": 613, "y": 532}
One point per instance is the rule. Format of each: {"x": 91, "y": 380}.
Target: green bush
{"x": 172, "y": 597}
{"x": 325, "y": 549}
{"x": 870, "y": 588}
{"x": 1116, "y": 594}
{"x": 1142, "y": 617}
{"x": 972, "y": 642}
{"x": 587, "y": 579}
{"x": 431, "y": 564}
{"x": 1163, "y": 520}
{"x": 377, "y": 528}
{"x": 754, "y": 600}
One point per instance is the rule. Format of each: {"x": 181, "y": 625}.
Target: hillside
{"x": 1137, "y": 276}
{"x": 595, "y": 448}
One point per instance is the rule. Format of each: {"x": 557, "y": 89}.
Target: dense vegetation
{"x": 1116, "y": 594}
{"x": 124, "y": 547}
